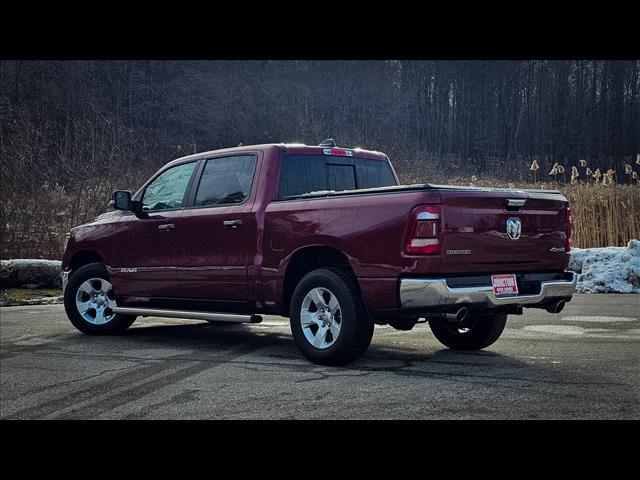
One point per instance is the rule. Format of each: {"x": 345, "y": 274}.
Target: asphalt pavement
{"x": 581, "y": 364}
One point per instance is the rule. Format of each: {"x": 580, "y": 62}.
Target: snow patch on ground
{"x": 608, "y": 269}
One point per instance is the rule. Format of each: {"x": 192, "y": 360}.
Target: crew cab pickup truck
{"x": 325, "y": 236}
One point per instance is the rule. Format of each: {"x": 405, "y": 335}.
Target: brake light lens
{"x": 336, "y": 152}
{"x": 423, "y": 231}
{"x": 569, "y": 245}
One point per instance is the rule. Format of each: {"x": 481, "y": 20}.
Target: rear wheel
{"x": 89, "y": 302}
{"x": 328, "y": 320}
{"x": 478, "y": 331}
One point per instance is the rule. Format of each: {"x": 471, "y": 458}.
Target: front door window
{"x": 168, "y": 190}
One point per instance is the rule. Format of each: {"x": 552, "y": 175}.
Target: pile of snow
{"x": 608, "y": 269}
{"x": 30, "y": 273}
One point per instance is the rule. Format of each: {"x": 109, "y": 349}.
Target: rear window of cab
{"x": 304, "y": 174}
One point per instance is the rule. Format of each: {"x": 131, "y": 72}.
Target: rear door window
{"x": 226, "y": 181}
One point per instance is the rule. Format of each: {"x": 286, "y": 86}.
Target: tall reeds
{"x": 603, "y": 214}
{"x": 605, "y": 206}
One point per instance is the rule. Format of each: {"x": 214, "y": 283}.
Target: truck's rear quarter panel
{"x": 368, "y": 229}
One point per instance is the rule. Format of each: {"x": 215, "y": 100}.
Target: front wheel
{"x": 89, "y": 301}
{"x": 328, "y": 320}
{"x": 478, "y": 331}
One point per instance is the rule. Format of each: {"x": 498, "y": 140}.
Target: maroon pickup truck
{"x": 325, "y": 236}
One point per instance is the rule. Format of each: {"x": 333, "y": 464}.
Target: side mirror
{"x": 121, "y": 200}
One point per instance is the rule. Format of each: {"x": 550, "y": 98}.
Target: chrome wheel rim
{"x": 95, "y": 301}
{"x": 321, "y": 318}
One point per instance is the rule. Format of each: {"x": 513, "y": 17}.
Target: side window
{"x": 167, "y": 191}
{"x": 226, "y": 180}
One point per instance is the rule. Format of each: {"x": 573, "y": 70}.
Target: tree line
{"x": 72, "y": 131}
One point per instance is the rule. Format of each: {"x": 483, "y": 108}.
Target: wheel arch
{"x": 84, "y": 257}
{"x": 310, "y": 258}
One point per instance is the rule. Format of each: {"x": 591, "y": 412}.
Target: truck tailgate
{"x": 476, "y": 237}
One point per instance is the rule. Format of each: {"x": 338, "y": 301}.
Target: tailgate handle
{"x": 515, "y": 203}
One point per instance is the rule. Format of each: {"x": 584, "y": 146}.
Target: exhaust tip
{"x": 457, "y": 316}
{"x": 556, "y": 307}
{"x": 462, "y": 314}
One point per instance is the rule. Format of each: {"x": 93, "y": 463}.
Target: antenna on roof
{"x": 329, "y": 142}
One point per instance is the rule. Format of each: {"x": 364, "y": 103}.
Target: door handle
{"x": 232, "y": 223}
{"x": 166, "y": 226}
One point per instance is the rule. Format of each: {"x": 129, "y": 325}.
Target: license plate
{"x": 504, "y": 285}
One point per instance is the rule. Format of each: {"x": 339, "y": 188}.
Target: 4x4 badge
{"x": 514, "y": 228}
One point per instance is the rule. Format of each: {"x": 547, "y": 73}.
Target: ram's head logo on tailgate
{"x": 514, "y": 228}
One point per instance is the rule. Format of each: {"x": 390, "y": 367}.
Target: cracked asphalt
{"x": 581, "y": 364}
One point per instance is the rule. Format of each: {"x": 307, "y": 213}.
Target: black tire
{"x": 118, "y": 324}
{"x": 483, "y": 329}
{"x": 356, "y": 328}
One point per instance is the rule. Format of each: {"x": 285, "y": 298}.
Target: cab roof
{"x": 292, "y": 148}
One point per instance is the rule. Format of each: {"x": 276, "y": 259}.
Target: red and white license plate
{"x": 504, "y": 285}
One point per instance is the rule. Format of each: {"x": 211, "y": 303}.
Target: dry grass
{"x": 603, "y": 215}
{"x": 19, "y": 294}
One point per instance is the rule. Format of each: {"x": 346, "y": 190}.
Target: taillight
{"x": 423, "y": 231}
{"x": 569, "y": 245}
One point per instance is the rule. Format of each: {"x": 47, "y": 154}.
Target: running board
{"x": 210, "y": 317}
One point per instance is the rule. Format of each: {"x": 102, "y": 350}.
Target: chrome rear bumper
{"x": 434, "y": 292}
